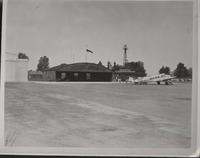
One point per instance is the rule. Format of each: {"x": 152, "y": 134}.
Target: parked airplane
{"x": 157, "y": 78}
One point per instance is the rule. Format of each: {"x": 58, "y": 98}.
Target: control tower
{"x": 125, "y": 60}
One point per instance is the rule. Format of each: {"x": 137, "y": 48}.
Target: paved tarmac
{"x": 102, "y": 115}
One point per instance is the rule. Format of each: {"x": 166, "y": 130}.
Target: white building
{"x": 16, "y": 70}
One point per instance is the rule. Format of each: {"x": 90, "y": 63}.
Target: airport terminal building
{"x": 78, "y": 72}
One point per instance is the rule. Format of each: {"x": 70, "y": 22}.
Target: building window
{"x": 88, "y": 76}
{"x": 63, "y": 75}
{"x": 76, "y": 76}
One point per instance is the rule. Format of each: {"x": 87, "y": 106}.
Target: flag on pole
{"x": 87, "y": 50}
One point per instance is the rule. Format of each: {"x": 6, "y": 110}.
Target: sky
{"x": 156, "y": 33}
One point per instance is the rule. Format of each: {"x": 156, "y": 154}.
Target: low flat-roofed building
{"x": 123, "y": 74}
{"x": 35, "y": 75}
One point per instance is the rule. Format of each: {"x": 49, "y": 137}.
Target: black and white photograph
{"x": 1, "y": 3}
{"x": 100, "y": 74}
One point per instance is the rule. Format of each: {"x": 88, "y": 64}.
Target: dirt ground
{"x": 97, "y": 115}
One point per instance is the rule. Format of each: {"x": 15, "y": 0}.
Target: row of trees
{"x": 180, "y": 72}
{"x": 138, "y": 67}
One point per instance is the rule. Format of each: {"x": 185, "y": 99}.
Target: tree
{"x": 100, "y": 63}
{"x": 43, "y": 64}
{"x": 138, "y": 67}
{"x": 109, "y": 66}
{"x": 116, "y": 67}
{"x": 165, "y": 70}
{"x": 162, "y": 70}
{"x": 181, "y": 71}
{"x": 114, "y": 64}
{"x": 22, "y": 56}
{"x": 190, "y": 72}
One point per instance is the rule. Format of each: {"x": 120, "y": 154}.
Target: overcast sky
{"x": 157, "y": 33}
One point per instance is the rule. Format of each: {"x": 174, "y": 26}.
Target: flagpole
{"x": 86, "y": 56}
{"x": 86, "y": 53}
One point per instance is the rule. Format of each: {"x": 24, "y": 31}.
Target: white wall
{"x": 21, "y": 70}
{"x": 16, "y": 70}
{"x": 10, "y": 70}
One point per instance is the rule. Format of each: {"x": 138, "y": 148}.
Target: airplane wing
{"x": 167, "y": 78}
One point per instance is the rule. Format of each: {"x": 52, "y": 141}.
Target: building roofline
{"x": 79, "y": 67}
